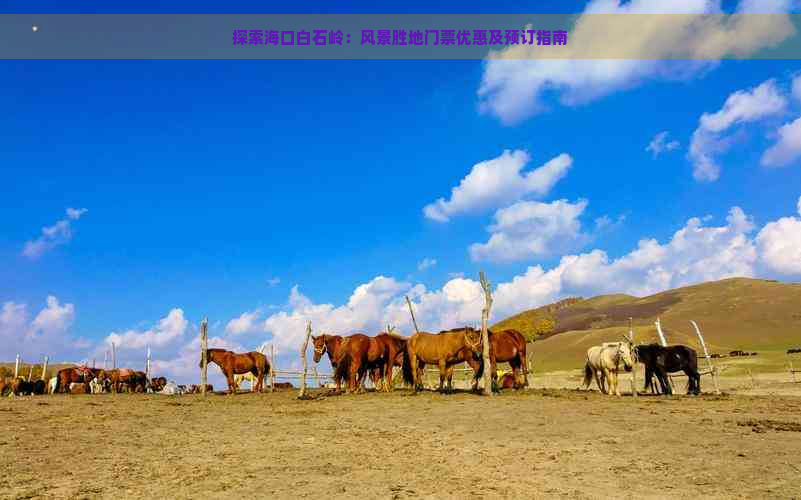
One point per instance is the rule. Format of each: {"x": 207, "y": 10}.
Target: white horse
{"x": 51, "y": 385}
{"x": 603, "y": 363}
{"x": 96, "y": 386}
{"x": 241, "y": 377}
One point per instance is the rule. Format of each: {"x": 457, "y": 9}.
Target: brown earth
{"x": 534, "y": 444}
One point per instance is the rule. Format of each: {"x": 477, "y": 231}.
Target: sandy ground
{"x": 540, "y": 443}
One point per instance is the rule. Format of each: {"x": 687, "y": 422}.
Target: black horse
{"x": 659, "y": 361}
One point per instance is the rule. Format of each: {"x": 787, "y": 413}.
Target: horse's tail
{"x": 587, "y": 374}
{"x": 408, "y": 377}
{"x": 343, "y": 366}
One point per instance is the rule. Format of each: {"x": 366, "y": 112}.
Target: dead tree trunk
{"x": 204, "y": 354}
{"x": 411, "y": 311}
{"x": 303, "y": 349}
{"x": 485, "y": 312}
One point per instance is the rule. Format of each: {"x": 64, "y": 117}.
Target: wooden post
{"x": 93, "y": 362}
{"x": 634, "y": 358}
{"x": 485, "y": 312}
{"x": 411, "y": 311}
{"x": 272, "y": 367}
{"x": 303, "y": 349}
{"x": 44, "y": 368}
{"x": 659, "y": 331}
{"x": 204, "y": 353}
{"x": 113, "y": 356}
{"x": 105, "y": 360}
{"x": 30, "y": 373}
{"x": 16, "y": 367}
{"x": 708, "y": 359}
{"x": 148, "y": 374}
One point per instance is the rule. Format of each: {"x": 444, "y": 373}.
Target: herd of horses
{"x": 356, "y": 356}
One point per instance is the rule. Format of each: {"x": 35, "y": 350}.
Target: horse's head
{"x": 319, "y": 347}
{"x": 625, "y": 352}
{"x": 472, "y": 339}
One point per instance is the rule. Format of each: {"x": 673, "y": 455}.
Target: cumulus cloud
{"x": 498, "y": 182}
{"x": 166, "y": 330}
{"x": 53, "y": 236}
{"x": 780, "y": 245}
{"x": 426, "y": 263}
{"x": 530, "y": 229}
{"x": 517, "y": 79}
{"x": 660, "y": 144}
{"x": 246, "y": 322}
{"x": 46, "y": 333}
{"x": 743, "y": 106}
{"x": 787, "y": 148}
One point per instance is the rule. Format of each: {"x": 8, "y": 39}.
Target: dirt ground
{"x": 540, "y": 443}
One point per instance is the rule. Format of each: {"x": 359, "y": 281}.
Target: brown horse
{"x": 330, "y": 345}
{"x": 357, "y": 354}
{"x": 75, "y": 375}
{"x": 388, "y": 353}
{"x": 158, "y": 383}
{"x": 506, "y": 346}
{"x": 234, "y": 363}
{"x": 444, "y": 349}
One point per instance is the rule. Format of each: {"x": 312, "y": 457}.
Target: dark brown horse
{"x": 234, "y": 363}
{"x": 444, "y": 349}
{"x": 158, "y": 383}
{"x": 388, "y": 349}
{"x": 506, "y": 346}
{"x": 357, "y": 353}
{"x": 75, "y": 375}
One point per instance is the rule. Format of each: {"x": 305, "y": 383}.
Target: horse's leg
{"x": 605, "y": 380}
{"x": 389, "y": 367}
{"x": 229, "y": 376}
{"x": 442, "y": 375}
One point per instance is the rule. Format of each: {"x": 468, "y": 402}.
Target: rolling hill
{"x": 735, "y": 313}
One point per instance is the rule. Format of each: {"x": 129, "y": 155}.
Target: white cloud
{"x": 246, "y": 322}
{"x": 530, "y": 229}
{"x": 54, "y": 318}
{"x": 274, "y": 281}
{"x": 660, "y": 144}
{"x": 641, "y": 48}
{"x": 498, "y": 182}
{"x": 787, "y": 148}
{"x": 780, "y": 245}
{"x": 53, "y": 236}
{"x": 168, "y": 329}
{"x": 796, "y": 87}
{"x": 426, "y": 263}
{"x": 743, "y": 106}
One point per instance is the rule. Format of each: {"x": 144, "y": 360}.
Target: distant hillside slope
{"x": 736, "y": 313}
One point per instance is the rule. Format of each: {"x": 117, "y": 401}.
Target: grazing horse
{"x": 506, "y": 346}
{"x": 660, "y": 361}
{"x": 21, "y": 387}
{"x": 119, "y": 378}
{"x": 232, "y": 363}
{"x": 603, "y": 362}
{"x": 444, "y": 349}
{"x": 74, "y": 375}
{"x": 238, "y": 379}
{"x": 158, "y": 383}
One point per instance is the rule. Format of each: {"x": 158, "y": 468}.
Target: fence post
{"x": 44, "y": 368}
{"x": 16, "y": 367}
{"x": 708, "y": 359}
{"x": 485, "y": 312}
{"x": 113, "y": 356}
{"x": 105, "y": 360}
{"x": 411, "y": 311}
{"x": 659, "y": 331}
{"x": 204, "y": 354}
{"x": 148, "y": 374}
{"x": 303, "y": 349}
{"x": 634, "y": 358}
{"x": 272, "y": 367}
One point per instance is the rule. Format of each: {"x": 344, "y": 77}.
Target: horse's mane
{"x": 454, "y": 330}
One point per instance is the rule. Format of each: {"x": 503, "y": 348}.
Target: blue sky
{"x": 214, "y": 187}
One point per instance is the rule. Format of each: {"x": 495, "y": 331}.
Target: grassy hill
{"x": 736, "y": 313}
